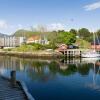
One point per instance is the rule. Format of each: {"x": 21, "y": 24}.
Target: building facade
{"x": 11, "y": 41}
{"x": 37, "y": 39}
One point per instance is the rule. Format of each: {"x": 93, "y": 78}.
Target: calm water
{"x": 56, "y": 79}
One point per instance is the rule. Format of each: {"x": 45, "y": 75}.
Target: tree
{"x": 61, "y": 37}
{"x": 84, "y": 33}
{"x": 52, "y": 37}
{"x": 61, "y": 31}
{"x": 98, "y": 33}
{"x": 83, "y": 43}
{"x": 73, "y": 31}
{"x": 66, "y": 38}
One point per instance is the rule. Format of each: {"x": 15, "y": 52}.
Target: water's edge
{"x": 31, "y": 55}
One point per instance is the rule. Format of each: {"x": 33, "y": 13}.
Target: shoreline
{"x": 38, "y": 54}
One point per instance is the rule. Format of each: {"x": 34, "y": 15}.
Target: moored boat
{"x": 90, "y": 54}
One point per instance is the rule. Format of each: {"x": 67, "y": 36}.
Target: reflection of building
{"x": 9, "y": 63}
{"x": 11, "y": 41}
{"x": 98, "y": 63}
{"x": 12, "y": 63}
{"x": 63, "y": 67}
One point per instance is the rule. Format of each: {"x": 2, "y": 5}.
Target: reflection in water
{"x": 96, "y": 71}
{"x": 46, "y": 69}
{"x": 50, "y": 72}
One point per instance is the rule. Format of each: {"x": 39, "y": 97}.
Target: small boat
{"x": 90, "y": 54}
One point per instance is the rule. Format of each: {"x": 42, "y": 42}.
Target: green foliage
{"x": 57, "y": 37}
{"x": 32, "y": 47}
{"x": 66, "y": 38}
{"x": 54, "y": 67}
{"x": 61, "y": 37}
{"x": 84, "y": 34}
{"x": 84, "y": 69}
{"x": 98, "y": 33}
{"x": 83, "y": 43}
{"x": 9, "y": 49}
{"x": 69, "y": 71}
{"x": 73, "y": 31}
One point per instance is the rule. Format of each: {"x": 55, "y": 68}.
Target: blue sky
{"x": 55, "y": 14}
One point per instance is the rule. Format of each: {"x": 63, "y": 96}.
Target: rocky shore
{"x": 36, "y": 54}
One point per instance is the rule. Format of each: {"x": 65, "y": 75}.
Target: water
{"x": 77, "y": 79}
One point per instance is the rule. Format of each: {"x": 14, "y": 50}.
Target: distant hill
{"x": 2, "y": 35}
{"x": 25, "y": 33}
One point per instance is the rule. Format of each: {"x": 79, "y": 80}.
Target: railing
{"x": 74, "y": 52}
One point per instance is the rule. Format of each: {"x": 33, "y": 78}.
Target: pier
{"x": 10, "y": 89}
{"x": 75, "y": 52}
{"x": 72, "y": 52}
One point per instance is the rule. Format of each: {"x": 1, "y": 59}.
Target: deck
{"x": 75, "y": 52}
{"x": 9, "y": 92}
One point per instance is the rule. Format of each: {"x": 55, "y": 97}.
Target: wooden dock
{"x": 75, "y": 52}
{"x": 10, "y": 89}
{"x": 72, "y": 52}
{"x": 8, "y": 92}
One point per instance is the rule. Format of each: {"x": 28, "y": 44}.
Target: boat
{"x": 91, "y": 53}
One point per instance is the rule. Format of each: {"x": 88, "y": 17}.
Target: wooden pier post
{"x": 64, "y": 53}
{"x": 13, "y": 78}
{"x": 73, "y": 53}
{"x": 80, "y": 53}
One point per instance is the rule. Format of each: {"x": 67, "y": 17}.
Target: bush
{"x": 32, "y": 47}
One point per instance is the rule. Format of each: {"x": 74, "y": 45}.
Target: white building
{"x": 11, "y": 41}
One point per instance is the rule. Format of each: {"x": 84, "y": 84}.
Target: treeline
{"x": 85, "y": 34}
{"x": 82, "y": 37}
{"x": 82, "y": 33}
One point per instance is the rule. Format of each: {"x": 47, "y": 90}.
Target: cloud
{"x": 92, "y": 6}
{"x": 20, "y": 26}
{"x": 8, "y": 28}
{"x": 3, "y": 24}
{"x": 55, "y": 27}
{"x": 50, "y": 27}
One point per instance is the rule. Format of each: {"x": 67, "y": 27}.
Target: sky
{"x": 53, "y": 14}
